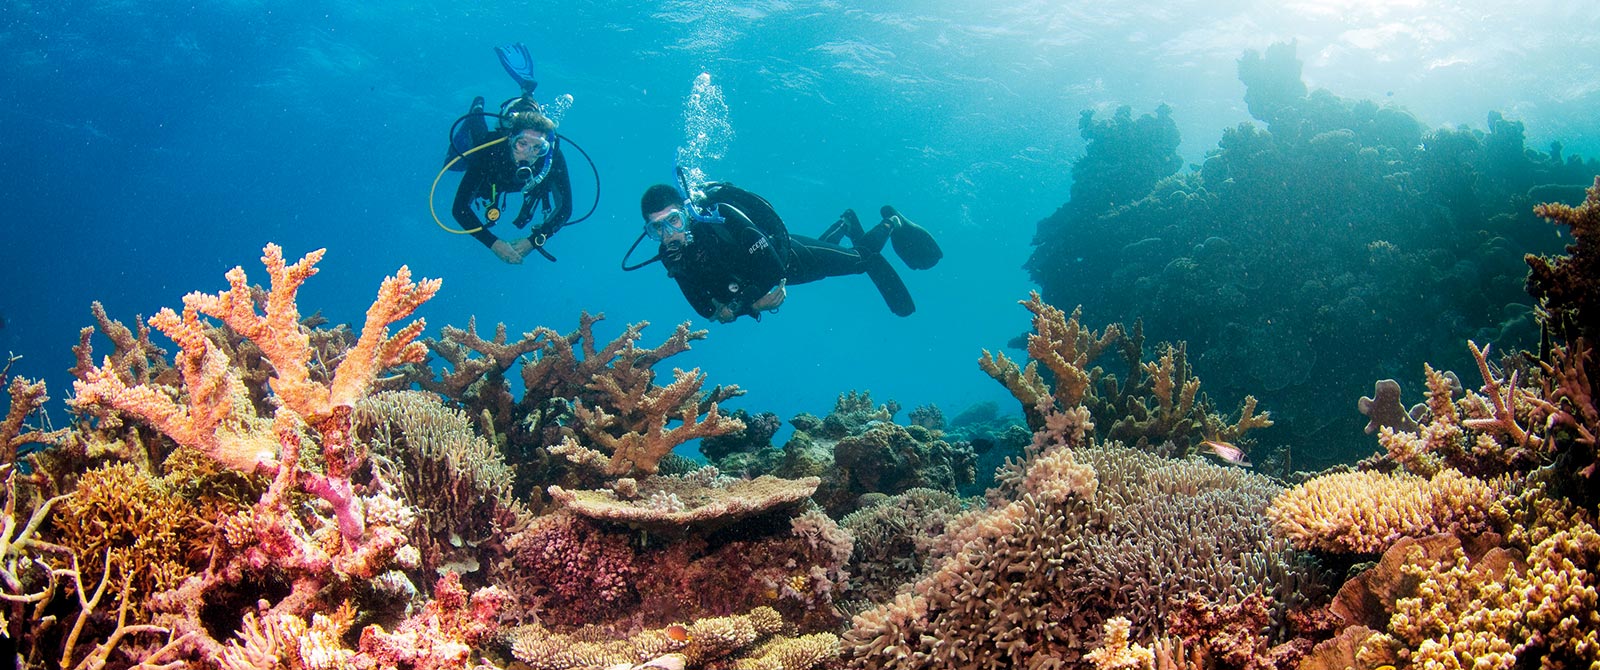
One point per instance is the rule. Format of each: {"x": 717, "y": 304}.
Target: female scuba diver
{"x": 530, "y": 162}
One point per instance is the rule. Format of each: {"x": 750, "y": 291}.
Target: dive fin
{"x": 912, "y": 243}
{"x": 894, "y": 291}
{"x": 519, "y": 64}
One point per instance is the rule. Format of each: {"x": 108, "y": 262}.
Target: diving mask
{"x": 529, "y": 146}
{"x": 672, "y": 221}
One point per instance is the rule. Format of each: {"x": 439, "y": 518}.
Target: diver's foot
{"x": 477, "y": 105}
{"x": 848, "y": 226}
{"x": 913, "y": 244}
{"x": 893, "y": 217}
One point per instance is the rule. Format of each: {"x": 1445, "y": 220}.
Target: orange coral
{"x": 216, "y": 417}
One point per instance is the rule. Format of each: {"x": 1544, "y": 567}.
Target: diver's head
{"x": 528, "y": 146}
{"x": 665, "y": 219}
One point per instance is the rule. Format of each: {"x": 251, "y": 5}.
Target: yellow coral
{"x": 144, "y": 526}
{"x": 1117, "y": 653}
{"x": 1498, "y": 614}
{"x": 797, "y": 653}
{"x": 1365, "y": 512}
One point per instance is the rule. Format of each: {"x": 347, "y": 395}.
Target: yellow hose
{"x": 435, "y": 187}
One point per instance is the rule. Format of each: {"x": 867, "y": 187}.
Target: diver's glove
{"x": 506, "y": 252}
{"x": 772, "y": 299}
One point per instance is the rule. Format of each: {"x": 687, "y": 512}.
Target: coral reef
{"x": 272, "y": 497}
{"x": 1511, "y": 580}
{"x": 1403, "y": 241}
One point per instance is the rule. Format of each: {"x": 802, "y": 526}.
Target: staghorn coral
{"x": 645, "y": 439}
{"x": 473, "y": 359}
{"x": 27, "y": 398}
{"x": 1366, "y": 512}
{"x": 217, "y": 418}
{"x": 292, "y": 557}
{"x": 1065, "y": 349}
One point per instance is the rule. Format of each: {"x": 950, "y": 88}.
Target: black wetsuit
{"x": 491, "y": 176}
{"x": 736, "y": 262}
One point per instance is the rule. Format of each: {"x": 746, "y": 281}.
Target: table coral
{"x": 708, "y": 507}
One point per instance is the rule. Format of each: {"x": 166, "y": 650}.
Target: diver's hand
{"x": 506, "y": 252}
{"x": 724, "y": 313}
{"x": 772, "y": 299}
{"x": 522, "y": 247}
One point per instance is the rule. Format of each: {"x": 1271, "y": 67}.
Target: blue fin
{"x": 519, "y": 64}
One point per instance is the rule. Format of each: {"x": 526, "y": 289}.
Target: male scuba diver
{"x": 732, "y": 256}
{"x": 523, "y": 155}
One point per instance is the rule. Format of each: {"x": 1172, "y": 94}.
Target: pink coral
{"x": 441, "y": 636}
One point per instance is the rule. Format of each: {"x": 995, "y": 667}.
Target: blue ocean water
{"x": 149, "y": 147}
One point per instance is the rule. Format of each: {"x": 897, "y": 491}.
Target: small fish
{"x": 1225, "y": 451}
{"x": 677, "y": 633}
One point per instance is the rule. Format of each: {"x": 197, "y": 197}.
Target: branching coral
{"x": 1159, "y": 407}
{"x": 1064, "y": 347}
{"x": 645, "y": 439}
{"x": 458, "y": 484}
{"x": 1569, "y": 286}
{"x": 1498, "y": 610}
{"x": 27, "y": 398}
{"x": 150, "y": 535}
{"x": 1365, "y": 512}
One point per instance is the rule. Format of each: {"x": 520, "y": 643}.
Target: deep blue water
{"x": 149, "y": 147}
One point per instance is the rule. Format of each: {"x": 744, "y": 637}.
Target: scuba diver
{"x": 732, "y": 256}
{"x": 530, "y": 163}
